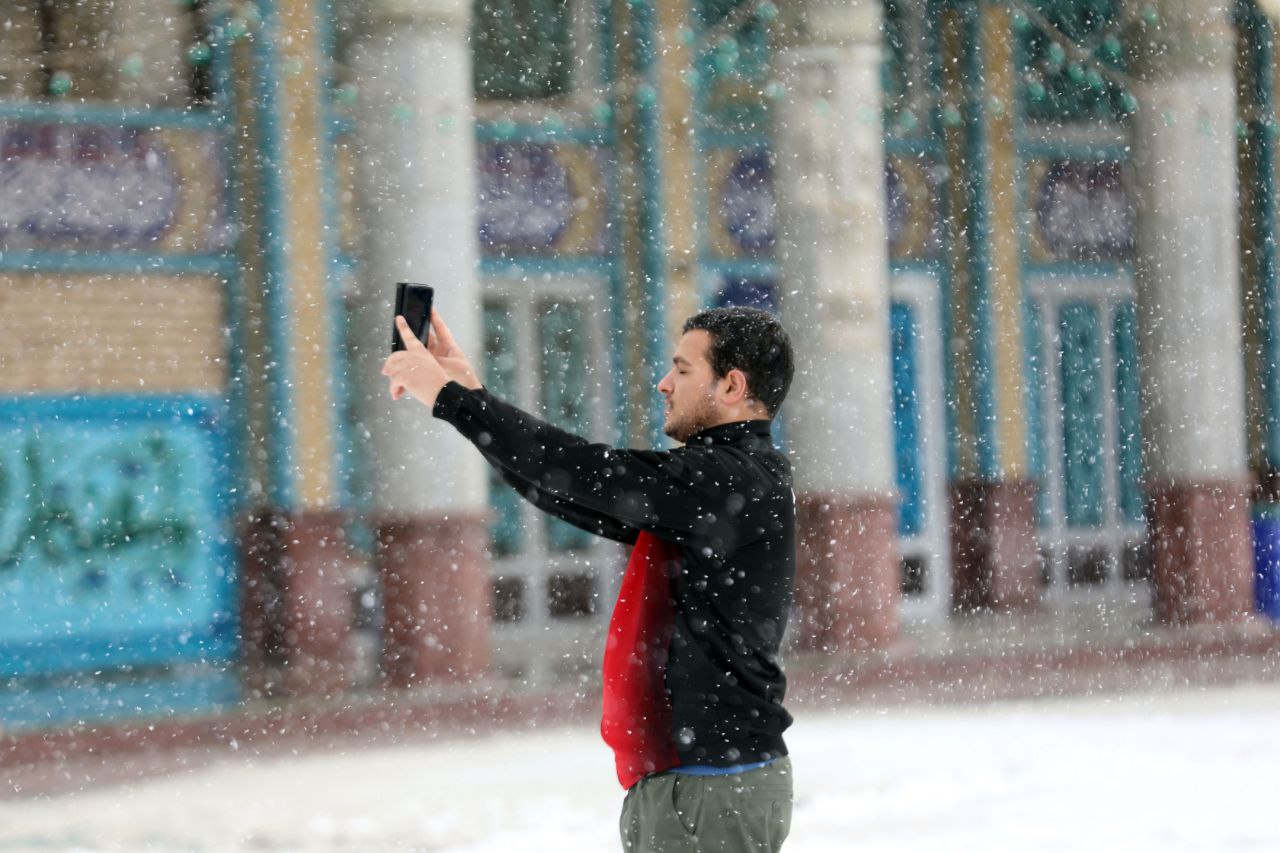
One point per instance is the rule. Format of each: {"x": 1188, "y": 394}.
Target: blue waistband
{"x": 707, "y": 770}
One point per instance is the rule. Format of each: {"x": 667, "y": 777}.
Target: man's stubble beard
{"x": 693, "y": 423}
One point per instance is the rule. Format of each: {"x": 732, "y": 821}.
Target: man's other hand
{"x": 447, "y": 352}
{"x": 414, "y": 369}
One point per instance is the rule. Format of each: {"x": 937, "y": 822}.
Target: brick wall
{"x": 119, "y": 333}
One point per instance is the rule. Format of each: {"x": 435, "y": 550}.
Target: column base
{"x": 436, "y": 599}
{"x": 848, "y": 577}
{"x": 995, "y": 558}
{"x": 296, "y": 608}
{"x": 1203, "y": 551}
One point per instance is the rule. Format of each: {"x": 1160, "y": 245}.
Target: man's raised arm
{"x": 664, "y": 492}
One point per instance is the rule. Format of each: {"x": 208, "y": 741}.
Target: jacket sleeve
{"x": 580, "y": 517}
{"x": 668, "y": 493}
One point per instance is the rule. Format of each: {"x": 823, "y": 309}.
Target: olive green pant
{"x": 744, "y": 813}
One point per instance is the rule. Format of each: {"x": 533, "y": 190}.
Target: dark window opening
{"x": 520, "y": 48}
{"x": 914, "y": 571}
{"x": 570, "y": 596}
{"x": 1087, "y": 566}
{"x": 202, "y": 90}
{"x": 1135, "y": 562}
{"x": 508, "y": 599}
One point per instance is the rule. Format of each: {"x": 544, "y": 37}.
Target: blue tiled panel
{"x": 907, "y": 428}
{"x": 1128, "y": 414}
{"x": 114, "y": 534}
{"x": 176, "y": 691}
{"x": 1038, "y": 381}
{"x": 1083, "y": 462}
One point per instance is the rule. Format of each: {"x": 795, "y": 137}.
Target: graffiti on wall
{"x": 109, "y": 532}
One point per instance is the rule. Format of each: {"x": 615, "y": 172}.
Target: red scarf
{"x": 637, "y": 710}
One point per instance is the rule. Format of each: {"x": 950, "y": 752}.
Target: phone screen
{"x": 413, "y": 301}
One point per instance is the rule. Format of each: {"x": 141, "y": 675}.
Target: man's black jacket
{"x": 725, "y": 500}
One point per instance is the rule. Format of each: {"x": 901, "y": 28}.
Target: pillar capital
{"x": 377, "y": 14}
{"x": 1175, "y": 37}
{"x": 830, "y": 23}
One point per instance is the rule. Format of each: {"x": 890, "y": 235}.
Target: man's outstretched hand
{"x": 421, "y": 371}
{"x": 446, "y": 351}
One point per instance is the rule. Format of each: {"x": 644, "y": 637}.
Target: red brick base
{"x": 436, "y": 599}
{"x": 1203, "y": 551}
{"x": 296, "y": 607}
{"x": 995, "y": 561}
{"x": 848, "y": 578}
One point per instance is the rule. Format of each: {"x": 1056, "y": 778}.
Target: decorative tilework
{"x": 1080, "y": 211}
{"x": 114, "y": 545}
{"x": 743, "y": 207}
{"x": 538, "y": 198}
{"x": 98, "y": 187}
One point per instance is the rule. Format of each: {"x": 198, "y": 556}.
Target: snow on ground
{"x": 1189, "y": 771}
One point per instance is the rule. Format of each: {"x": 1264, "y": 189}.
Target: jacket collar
{"x": 731, "y": 433}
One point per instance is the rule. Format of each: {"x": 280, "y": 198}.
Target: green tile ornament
{"x": 199, "y": 54}
{"x": 132, "y": 66}
{"x": 347, "y": 94}
{"x": 60, "y": 84}
{"x": 505, "y": 129}
{"x": 236, "y": 28}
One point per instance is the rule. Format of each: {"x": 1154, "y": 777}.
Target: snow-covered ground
{"x": 1189, "y": 771}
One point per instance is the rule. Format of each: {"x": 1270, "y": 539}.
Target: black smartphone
{"x": 413, "y": 302}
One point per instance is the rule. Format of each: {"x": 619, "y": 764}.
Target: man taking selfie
{"x": 692, "y": 683}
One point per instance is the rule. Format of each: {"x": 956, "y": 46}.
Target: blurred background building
{"x": 1026, "y": 250}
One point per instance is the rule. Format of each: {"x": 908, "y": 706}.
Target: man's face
{"x": 690, "y": 388}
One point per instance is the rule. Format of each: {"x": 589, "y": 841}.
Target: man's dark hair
{"x": 753, "y": 341}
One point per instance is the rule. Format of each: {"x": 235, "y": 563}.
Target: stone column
{"x": 1189, "y": 308}
{"x": 834, "y": 257}
{"x": 418, "y": 196}
{"x": 994, "y": 558}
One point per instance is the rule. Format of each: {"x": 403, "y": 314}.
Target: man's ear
{"x": 735, "y": 390}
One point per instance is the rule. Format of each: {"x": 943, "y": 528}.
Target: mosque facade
{"x": 1026, "y": 250}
